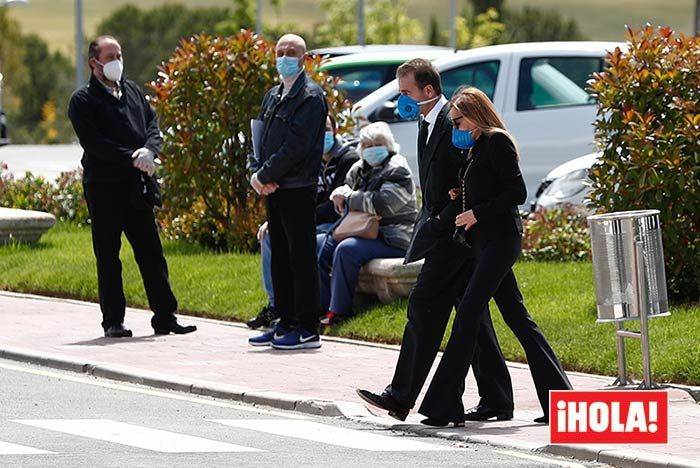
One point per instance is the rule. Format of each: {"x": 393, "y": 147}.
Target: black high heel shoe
{"x": 542, "y": 419}
{"x": 439, "y": 423}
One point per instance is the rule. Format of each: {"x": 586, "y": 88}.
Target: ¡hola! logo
{"x": 608, "y": 417}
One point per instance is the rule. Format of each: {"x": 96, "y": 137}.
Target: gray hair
{"x": 375, "y": 134}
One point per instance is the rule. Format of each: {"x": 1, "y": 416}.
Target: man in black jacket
{"x": 338, "y": 156}
{"x": 120, "y": 137}
{"x": 445, "y": 273}
{"x": 286, "y": 172}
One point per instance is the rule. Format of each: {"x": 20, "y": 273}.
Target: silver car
{"x": 568, "y": 183}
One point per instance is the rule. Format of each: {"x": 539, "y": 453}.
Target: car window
{"x": 555, "y": 82}
{"x": 359, "y": 81}
{"x": 482, "y": 75}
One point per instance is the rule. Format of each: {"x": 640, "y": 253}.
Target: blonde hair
{"x": 476, "y": 106}
{"x": 378, "y": 133}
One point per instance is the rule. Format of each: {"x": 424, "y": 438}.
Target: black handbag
{"x": 146, "y": 192}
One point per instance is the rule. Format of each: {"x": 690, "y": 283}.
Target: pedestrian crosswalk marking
{"x": 14, "y": 449}
{"x": 135, "y": 436}
{"x": 143, "y": 391}
{"x": 331, "y": 435}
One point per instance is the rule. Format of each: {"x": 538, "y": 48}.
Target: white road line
{"x": 127, "y": 388}
{"x": 14, "y": 449}
{"x": 342, "y": 437}
{"x": 134, "y": 436}
{"x": 549, "y": 461}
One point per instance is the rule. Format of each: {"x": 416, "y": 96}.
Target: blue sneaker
{"x": 298, "y": 339}
{"x": 268, "y": 337}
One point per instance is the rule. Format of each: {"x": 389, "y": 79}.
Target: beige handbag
{"x": 357, "y": 224}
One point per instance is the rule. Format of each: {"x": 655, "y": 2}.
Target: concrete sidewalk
{"x": 217, "y": 361}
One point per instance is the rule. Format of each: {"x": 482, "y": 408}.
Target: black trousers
{"x": 291, "y": 218}
{"x": 111, "y": 213}
{"x": 492, "y": 277}
{"x": 439, "y": 287}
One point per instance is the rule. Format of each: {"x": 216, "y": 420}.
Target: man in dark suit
{"x": 444, "y": 275}
{"x": 120, "y": 137}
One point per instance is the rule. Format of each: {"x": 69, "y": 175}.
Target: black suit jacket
{"x": 438, "y": 168}
{"x": 495, "y": 187}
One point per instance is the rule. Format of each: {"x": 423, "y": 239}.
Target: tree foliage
{"x": 386, "y": 22}
{"x": 205, "y": 95}
{"x": 534, "y": 24}
{"x": 530, "y": 24}
{"x": 11, "y": 63}
{"x": 44, "y": 94}
{"x": 148, "y": 37}
{"x": 478, "y": 31}
{"x": 648, "y": 128}
{"x": 37, "y": 84}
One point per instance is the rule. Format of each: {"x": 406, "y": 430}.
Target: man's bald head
{"x": 290, "y": 45}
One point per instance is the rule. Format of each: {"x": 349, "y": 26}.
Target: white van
{"x": 538, "y": 87}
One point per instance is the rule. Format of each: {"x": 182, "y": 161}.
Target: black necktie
{"x": 422, "y": 137}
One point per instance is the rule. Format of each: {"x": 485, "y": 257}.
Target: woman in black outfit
{"x": 492, "y": 189}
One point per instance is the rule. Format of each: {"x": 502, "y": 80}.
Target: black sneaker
{"x": 264, "y": 319}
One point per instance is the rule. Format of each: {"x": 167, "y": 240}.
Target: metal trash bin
{"x": 630, "y": 279}
{"x": 627, "y": 284}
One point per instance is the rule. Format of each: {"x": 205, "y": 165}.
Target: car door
{"x": 484, "y": 74}
{"x": 548, "y": 111}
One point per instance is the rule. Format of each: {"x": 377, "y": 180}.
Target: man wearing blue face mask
{"x": 338, "y": 156}
{"x": 443, "y": 277}
{"x": 286, "y": 173}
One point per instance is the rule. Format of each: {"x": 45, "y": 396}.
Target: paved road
{"x": 50, "y": 418}
{"x": 47, "y": 161}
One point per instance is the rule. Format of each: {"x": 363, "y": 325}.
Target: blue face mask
{"x": 462, "y": 139}
{"x": 409, "y": 108}
{"x": 375, "y": 155}
{"x": 288, "y": 66}
{"x": 328, "y": 142}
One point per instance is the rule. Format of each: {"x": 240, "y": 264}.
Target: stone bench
{"x": 23, "y": 226}
{"x": 388, "y": 278}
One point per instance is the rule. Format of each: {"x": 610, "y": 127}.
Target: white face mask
{"x": 112, "y": 70}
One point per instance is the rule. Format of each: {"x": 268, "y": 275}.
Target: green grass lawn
{"x": 598, "y": 19}
{"x": 560, "y": 297}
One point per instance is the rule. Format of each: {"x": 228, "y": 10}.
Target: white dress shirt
{"x": 433, "y": 115}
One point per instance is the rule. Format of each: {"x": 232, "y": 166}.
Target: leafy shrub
{"x": 648, "y": 127}
{"x": 556, "y": 234}
{"x": 63, "y": 199}
{"x": 205, "y": 96}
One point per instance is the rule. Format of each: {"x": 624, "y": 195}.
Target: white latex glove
{"x": 256, "y": 184}
{"x": 262, "y": 231}
{"x": 338, "y": 197}
{"x": 143, "y": 159}
{"x": 344, "y": 190}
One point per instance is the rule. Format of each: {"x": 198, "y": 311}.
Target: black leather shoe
{"x": 163, "y": 328}
{"x": 386, "y": 402}
{"x": 264, "y": 319}
{"x": 484, "y": 413}
{"x": 118, "y": 331}
{"x": 438, "y": 423}
{"x": 542, "y": 419}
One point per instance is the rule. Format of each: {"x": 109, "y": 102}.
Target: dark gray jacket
{"x": 292, "y": 140}
{"x": 388, "y": 191}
